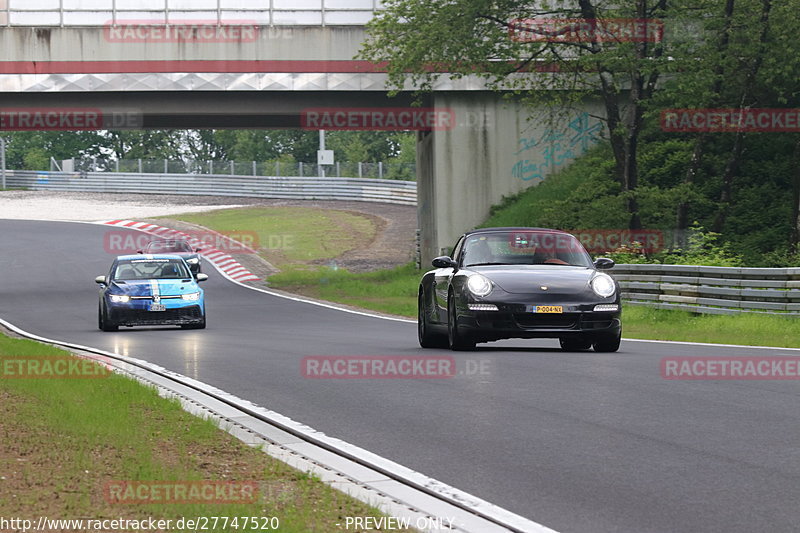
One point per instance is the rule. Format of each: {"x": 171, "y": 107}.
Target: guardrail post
{"x": 3, "y": 159}
{"x": 360, "y": 170}
{"x": 338, "y": 170}
{"x": 277, "y": 168}
{"x": 255, "y": 169}
{"x": 233, "y": 168}
{"x": 380, "y": 169}
{"x": 301, "y": 170}
{"x": 140, "y": 166}
{"x": 166, "y": 166}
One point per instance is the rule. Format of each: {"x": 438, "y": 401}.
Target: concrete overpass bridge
{"x": 237, "y": 64}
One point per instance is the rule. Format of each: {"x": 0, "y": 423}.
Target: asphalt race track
{"x": 579, "y": 442}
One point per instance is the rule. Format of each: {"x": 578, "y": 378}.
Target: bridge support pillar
{"x": 493, "y": 150}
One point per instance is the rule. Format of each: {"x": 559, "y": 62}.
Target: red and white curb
{"x": 223, "y": 261}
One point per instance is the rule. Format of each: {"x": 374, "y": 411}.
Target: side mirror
{"x": 444, "y": 262}
{"x": 604, "y": 263}
{"x": 201, "y": 277}
{"x": 100, "y": 279}
{"x": 139, "y": 251}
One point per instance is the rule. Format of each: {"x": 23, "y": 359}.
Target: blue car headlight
{"x": 120, "y": 298}
{"x": 191, "y": 297}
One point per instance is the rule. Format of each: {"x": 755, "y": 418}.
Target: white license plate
{"x": 158, "y": 307}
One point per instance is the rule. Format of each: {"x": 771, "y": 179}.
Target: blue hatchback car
{"x": 147, "y": 290}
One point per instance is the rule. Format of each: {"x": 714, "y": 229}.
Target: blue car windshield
{"x": 525, "y": 248}
{"x": 141, "y": 269}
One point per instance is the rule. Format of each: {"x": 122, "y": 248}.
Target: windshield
{"x": 525, "y": 248}
{"x": 135, "y": 269}
{"x": 164, "y": 247}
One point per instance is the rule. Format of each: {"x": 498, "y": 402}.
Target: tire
{"x": 455, "y": 340}
{"x": 608, "y": 344}
{"x": 574, "y": 345}
{"x": 103, "y": 322}
{"x": 427, "y": 338}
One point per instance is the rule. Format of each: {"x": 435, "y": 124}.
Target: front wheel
{"x": 427, "y": 338}
{"x": 608, "y": 344}
{"x": 456, "y": 340}
{"x": 103, "y": 322}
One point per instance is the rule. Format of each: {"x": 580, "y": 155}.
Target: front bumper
{"x": 519, "y": 321}
{"x": 137, "y": 313}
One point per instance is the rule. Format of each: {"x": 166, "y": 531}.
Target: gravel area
{"x": 53, "y": 205}
{"x": 393, "y": 245}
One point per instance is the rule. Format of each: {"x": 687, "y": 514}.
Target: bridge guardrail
{"x": 711, "y": 290}
{"x": 354, "y": 189}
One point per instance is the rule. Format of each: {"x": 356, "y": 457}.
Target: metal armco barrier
{"x": 713, "y": 290}
{"x": 357, "y": 189}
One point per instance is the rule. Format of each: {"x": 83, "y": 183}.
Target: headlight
{"x": 193, "y": 261}
{"x": 120, "y": 298}
{"x": 603, "y": 285}
{"x": 192, "y": 296}
{"x": 479, "y": 285}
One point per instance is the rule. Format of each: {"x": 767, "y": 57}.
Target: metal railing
{"x": 220, "y": 12}
{"x": 381, "y": 170}
{"x": 357, "y": 189}
{"x": 711, "y": 290}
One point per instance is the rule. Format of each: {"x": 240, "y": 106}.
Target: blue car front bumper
{"x": 139, "y": 313}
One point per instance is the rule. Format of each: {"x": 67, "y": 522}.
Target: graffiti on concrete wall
{"x": 537, "y": 157}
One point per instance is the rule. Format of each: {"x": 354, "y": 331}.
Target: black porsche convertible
{"x": 506, "y": 283}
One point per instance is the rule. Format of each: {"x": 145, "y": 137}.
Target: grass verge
{"x": 292, "y": 235}
{"x": 391, "y": 291}
{"x": 750, "y": 328}
{"x": 395, "y": 291}
{"x": 65, "y": 439}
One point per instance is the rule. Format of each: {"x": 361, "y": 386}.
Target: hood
{"x": 164, "y": 287}
{"x": 525, "y": 279}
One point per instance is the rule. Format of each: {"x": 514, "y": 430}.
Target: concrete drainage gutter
{"x": 426, "y": 503}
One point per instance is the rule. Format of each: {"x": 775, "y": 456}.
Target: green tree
{"x": 419, "y": 40}
{"x": 32, "y": 150}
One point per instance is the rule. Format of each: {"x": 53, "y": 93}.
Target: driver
{"x": 478, "y": 251}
